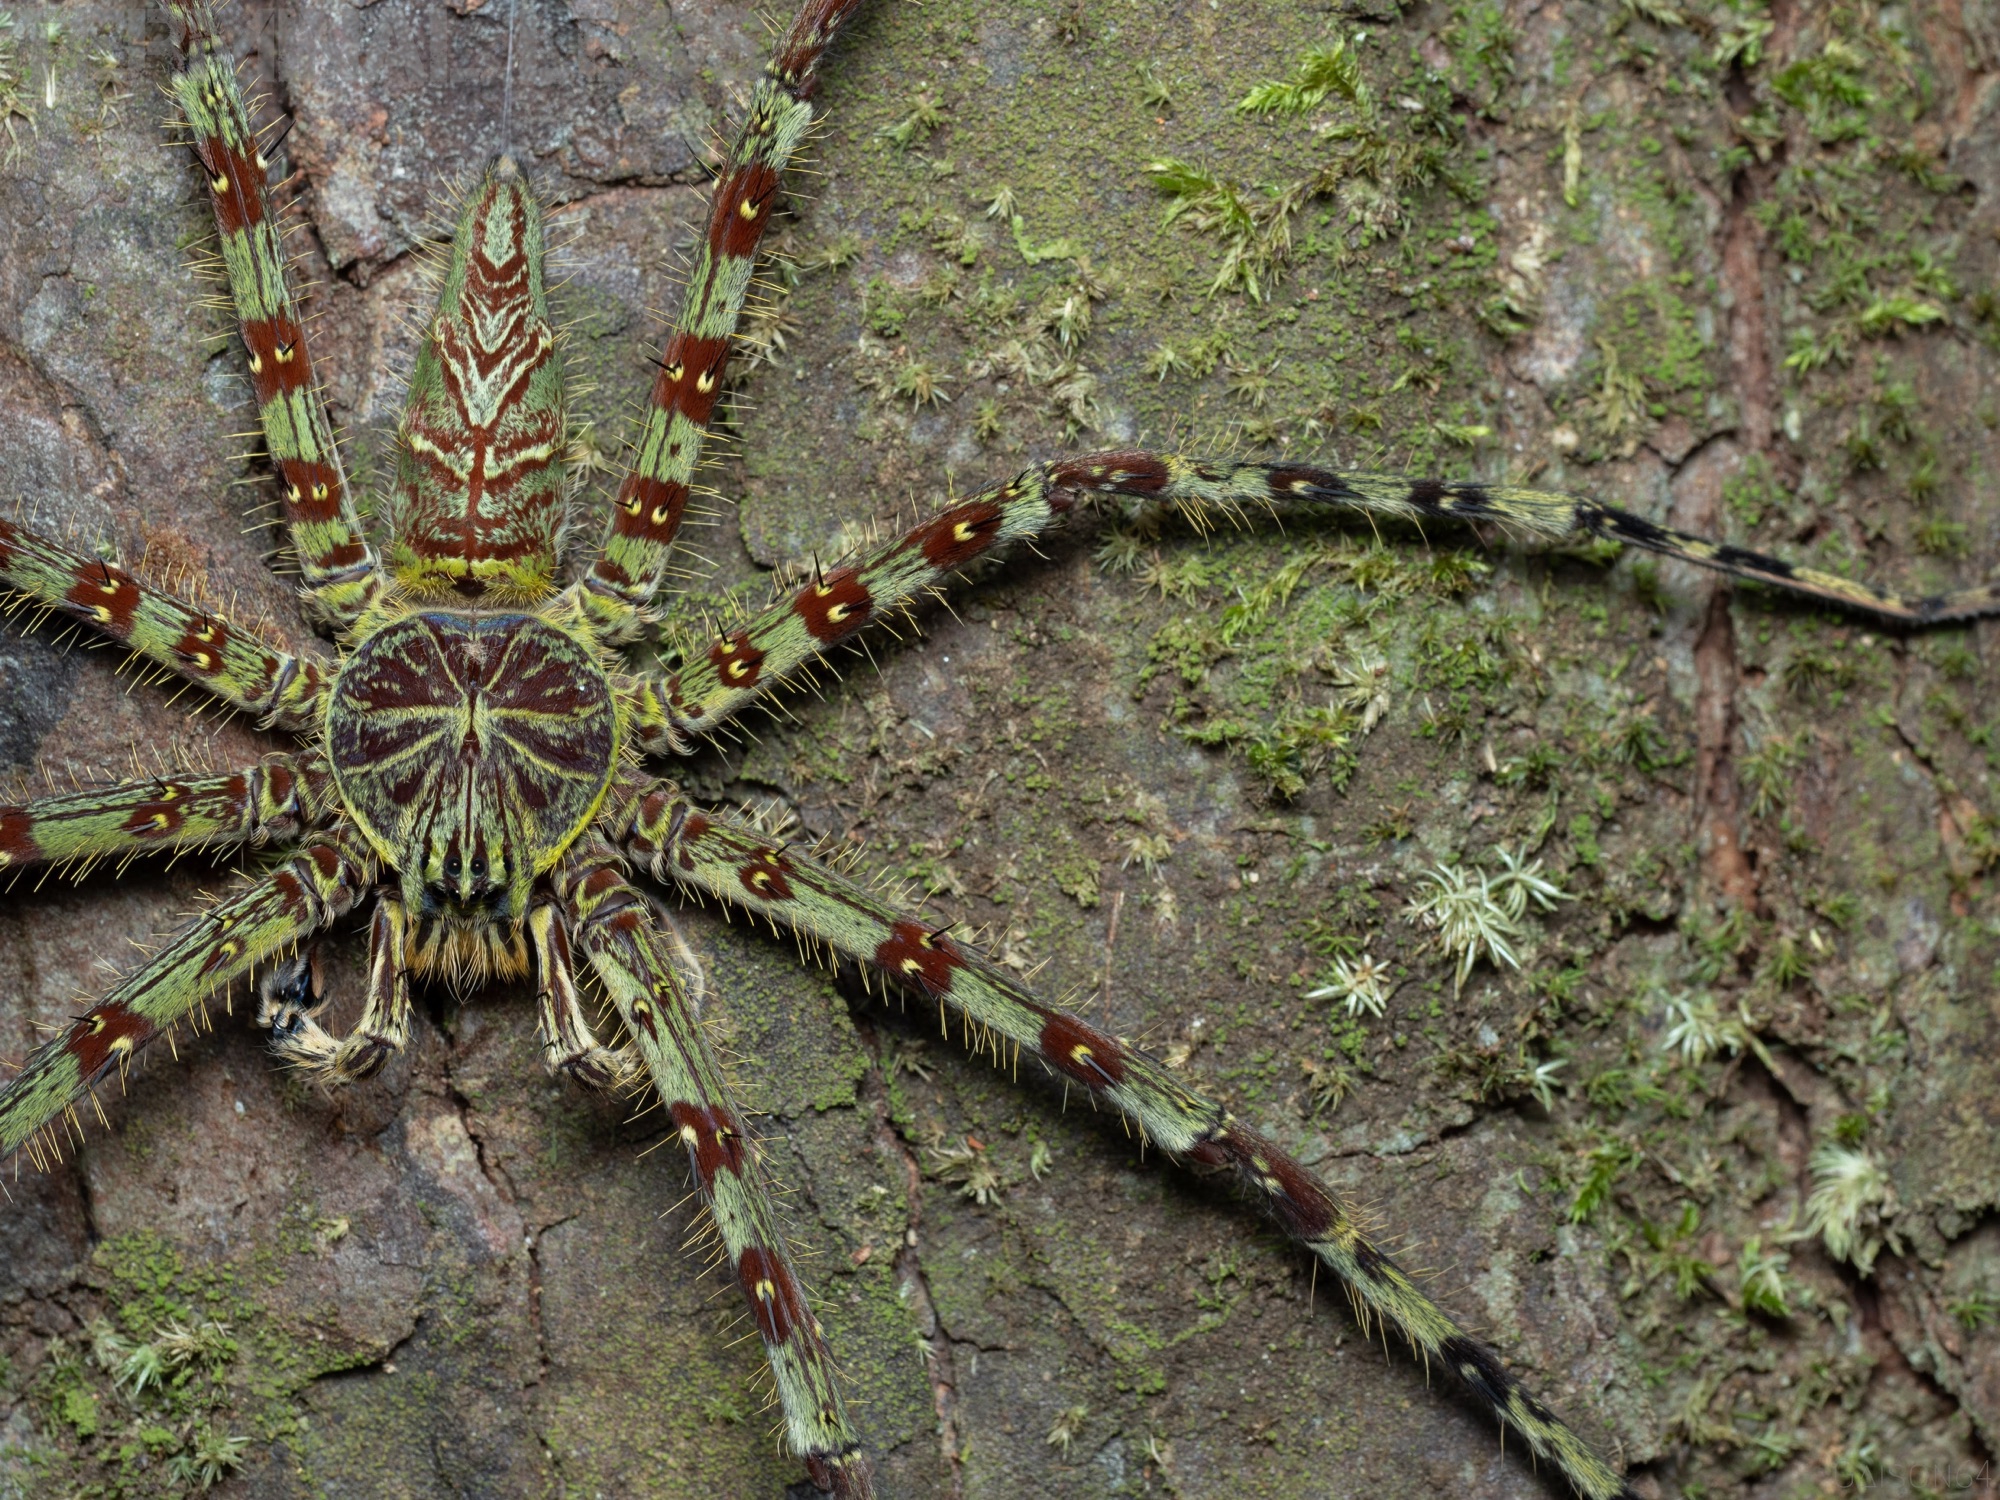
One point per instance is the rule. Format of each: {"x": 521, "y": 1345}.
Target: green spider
{"x": 472, "y": 770}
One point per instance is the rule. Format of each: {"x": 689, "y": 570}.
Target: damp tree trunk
{"x": 1732, "y": 269}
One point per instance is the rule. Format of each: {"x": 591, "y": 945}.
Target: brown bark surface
{"x": 1734, "y": 275}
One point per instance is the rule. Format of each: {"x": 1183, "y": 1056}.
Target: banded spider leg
{"x": 783, "y": 640}
{"x": 707, "y": 855}
{"x": 338, "y": 568}
{"x": 224, "y": 946}
{"x": 656, "y": 983}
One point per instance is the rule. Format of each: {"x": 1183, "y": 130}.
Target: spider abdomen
{"x": 479, "y": 480}
{"x": 471, "y": 749}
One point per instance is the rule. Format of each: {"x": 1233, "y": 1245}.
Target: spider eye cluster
{"x": 471, "y": 749}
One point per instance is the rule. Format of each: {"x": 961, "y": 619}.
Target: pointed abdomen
{"x": 478, "y": 503}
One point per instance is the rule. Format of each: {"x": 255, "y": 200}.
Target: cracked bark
{"x": 1186, "y": 1328}
{"x": 939, "y": 1363}
{"x": 1728, "y": 871}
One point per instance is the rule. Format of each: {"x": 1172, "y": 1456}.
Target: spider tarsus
{"x": 289, "y": 993}
{"x": 604, "y": 1069}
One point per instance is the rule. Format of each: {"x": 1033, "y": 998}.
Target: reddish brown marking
{"x": 106, "y": 1032}
{"x": 1082, "y": 1052}
{"x": 835, "y": 607}
{"x": 954, "y": 538}
{"x": 1288, "y": 481}
{"x": 775, "y": 1295}
{"x": 1210, "y": 1154}
{"x": 649, "y": 508}
{"x": 1123, "y": 473}
{"x": 797, "y": 62}
{"x": 713, "y": 1138}
{"x": 280, "y": 786}
{"x": 644, "y": 1014}
{"x": 240, "y": 203}
{"x": 311, "y": 491}
{"x": 913, "y": 956}
{"x": 203, "y": 645}
{"x": 279, "y": 365}
{"x": 106, "y": 596}
{"x": 159, "y": 817}
{"x": 732, "y": 231}
{"x": 691, "y": 376}
{"x": 613, "y": 575}
{"x": 598, "y": 883}
{"x": 737, "y": 663}
{"x": 326, "y": 860}
{"x": 1304, "y": 1207}
{"x": 1300, "y": 1203}
{"x": 765, "y": 876}
{"x": 691, "y": 833}
{"x": 292, "y": 897}
{"x": 9, "y": 548}
{"x": 17, "y": 838}
{"x": 309, "y": 680}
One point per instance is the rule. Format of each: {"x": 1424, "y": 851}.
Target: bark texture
{"x": 1732, "y": 266}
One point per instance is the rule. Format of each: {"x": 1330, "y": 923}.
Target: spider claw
{"x": 596, "y": 1067}
{"x": 288, "y": 990}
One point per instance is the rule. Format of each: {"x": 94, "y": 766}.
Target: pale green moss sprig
{"x": 1851, "y": 1203}
{"x": 1761, "y": 1280}
{"x": 1540, "y": 1080}
{"x": 1067, "y": 1427}
{"x": 135, "y": 1366}
{"x": 1698, "y": 1028}
{"x": 1363, "y": 683}
{"x": 1333, "y": 69}
{"x": 1359, "y": 984}
{"x": 209, "y": 1461}
{"x": 1475, "y": 913}
{"x": 970, "y": 1166}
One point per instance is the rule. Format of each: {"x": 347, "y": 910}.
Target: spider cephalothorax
{"x": 471, "y": 749}
{"x": 469, "y": 760}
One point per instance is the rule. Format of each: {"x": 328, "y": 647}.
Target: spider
{"x": 507, "y": 875}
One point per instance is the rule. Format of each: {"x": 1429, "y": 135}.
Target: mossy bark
{"x": 1731, "y": 274}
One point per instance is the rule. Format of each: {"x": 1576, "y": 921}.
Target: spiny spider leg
{"x": 708, "y": 855}
{"x": 651, "y": 501}
{"x": 274, "y": 800}
{"x": 339, "y": 570}
{"x": 287, "y": 1006}
{"x": 225, "y": 944}
{"x": 840, "y": 601}
{"x": 570, "y": 1048}
{"x": 655, "y": 982}
{"x": 228, "y": 661}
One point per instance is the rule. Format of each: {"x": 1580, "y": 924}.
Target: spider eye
{"x": 452, "y": 867}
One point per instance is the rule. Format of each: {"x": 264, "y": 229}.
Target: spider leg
{"x": 286, "y": 691}
{"x": 705, "y": 853}
{"x": 274, "y": 800}
{"x": 647, "y": 514}
{"x": 221, "y": 946}
{"x": 288, "y": 999}
{"x": 340, "y": 571}
{"x": 570, "y": 1049}
{"x": 656, "y": 984}
{"x": 774, "y": 644}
